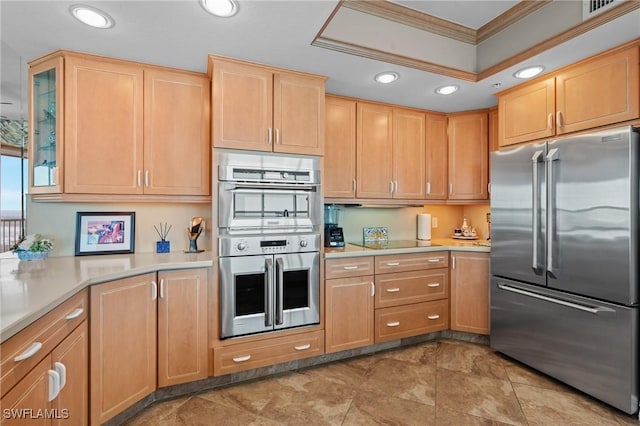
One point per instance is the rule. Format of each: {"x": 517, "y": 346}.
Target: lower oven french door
{"x": 264, "y": 293}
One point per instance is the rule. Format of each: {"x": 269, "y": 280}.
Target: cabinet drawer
{"x": 411, "y": 262}
{"x": 245, "y": 356}
{"x": 38, "y": 339}
{"x": 411, "y": 287}
{"x": 411, "y": 320}
{"x": 348, "y": 267}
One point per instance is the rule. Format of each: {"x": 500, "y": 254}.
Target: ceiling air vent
{"x": 591, "y": 8}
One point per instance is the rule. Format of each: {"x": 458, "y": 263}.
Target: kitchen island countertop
{"x": 30, "y": 289}
{"x": 440, "y": 244}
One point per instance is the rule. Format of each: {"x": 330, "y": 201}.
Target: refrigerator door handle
{"x": 268, "y": 288}
{"x": 595, "y": 310}
{"x": 536, "y": 207}
{"x": 551, "y": 209}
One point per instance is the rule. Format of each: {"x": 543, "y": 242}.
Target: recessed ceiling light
{"x": 91, "y": 16}
{"x": 386, "y": 77}
{"x": 447, "y": 90}
{"x": 528, "y": 72}
{"x": 221, "y": 8}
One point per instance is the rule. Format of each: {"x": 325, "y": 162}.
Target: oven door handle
{"x": 268, "y": 289}
{"x": 279, "y": 290}
{"x": 245, "y": 187}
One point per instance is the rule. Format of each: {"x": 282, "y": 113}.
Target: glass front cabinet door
{"x": 45, "y": 125}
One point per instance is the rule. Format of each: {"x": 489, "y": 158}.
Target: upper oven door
{"x": 259, "y": 206}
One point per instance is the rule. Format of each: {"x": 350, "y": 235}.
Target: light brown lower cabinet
{"x": 411, "y": 320}
{"x": 146, "y": 331}
{"x": 274, "y": 350}
{"x": 470, "y": 292}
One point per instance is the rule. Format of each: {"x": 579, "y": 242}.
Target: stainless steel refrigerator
{"x": 564, "y": 261}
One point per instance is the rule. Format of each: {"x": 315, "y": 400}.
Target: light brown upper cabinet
{"x": 436, "y": 164}
{"x": 595, "y": 92}
{"x": 340, "y": 148}
{"x": 468, "y": 156}
{"x": 262, "y": 108}
{"x": 390, "y": 152}
{"x": 125, "y": 129}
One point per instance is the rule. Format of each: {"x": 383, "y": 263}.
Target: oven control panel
{"x": 268, "y": 244}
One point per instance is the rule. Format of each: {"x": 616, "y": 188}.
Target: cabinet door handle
{"x": 242, "y": 358}
{"x": 434, "y": 260}
{"x": 428, "y": 188}
{"x": 29, "y": 352}
{"x": 393, "y": 263}
{"x": 393, "y": 324}
{"x": 277, "y": 136}
{"x": 550, "y": 121}
{"x": 489, "y": 188}
{"x": 302, "y": 347}
{"x": 393, "y": 290}
{"x": 453, "y": 262}
{"x": 350, "y": 268}
{"x": 391, "y": 186}
{"x": 433, "y": 285}
{"x": 433, "y": 317}
{"x": 270, "y": 136}
{"x": 54, "y": 384}
{"x": 559, "y": 119}
{"x": 139, "y": 177}
{"x": 154, "y": 290}
{"x": 353, "y": 185}
{"x": 62, "y": 371}
{"x": 146, "y": 178}
{"x": 450, "y": 188}
{"x": 75, "y": 314}
{"x": 161, "y": 289}
{"x": 373, "y": 289}
{"x": 395, "y": 184}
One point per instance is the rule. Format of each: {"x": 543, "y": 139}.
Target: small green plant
{"x": 34, "y": 242}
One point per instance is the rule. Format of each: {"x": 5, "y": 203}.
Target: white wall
{"x": 58, "y": 221}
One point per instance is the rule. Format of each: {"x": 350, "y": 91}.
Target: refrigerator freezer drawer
{"x": 583, "y": 342}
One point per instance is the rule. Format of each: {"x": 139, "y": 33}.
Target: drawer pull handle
{"x": 302, "y": 347}
{"x": 75, "y": 314}
{"x": 349, "y": 268}
{"x": 242, "y": 358}
{"x": 433, "y": 317}
{"x": 435, "y": 260}
{"x": 393, "y": 263}
{"x": 393, "y": 290}
{"x": 393, "y": 324}
{"x": 31, "y": 351}
{"x": 433, "y": 285}
{"x": 54, "y": 385}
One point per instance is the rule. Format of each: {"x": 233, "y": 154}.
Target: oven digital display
{"x": 274, "y": 243}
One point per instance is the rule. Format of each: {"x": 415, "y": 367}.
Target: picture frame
{"x": 105, "y": 233}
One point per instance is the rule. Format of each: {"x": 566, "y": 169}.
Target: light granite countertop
{"x": 436, "y": 244}
{"x": 30, "y": 289}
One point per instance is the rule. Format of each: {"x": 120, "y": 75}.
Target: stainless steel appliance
{"x": 564, "y": 286}
{"x": 268, "y": 282}
{"x": 269, "y": 218}
{"x": 268, "y": 193}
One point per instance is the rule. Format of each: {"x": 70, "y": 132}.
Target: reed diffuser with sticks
{"x": 163, "y": 245}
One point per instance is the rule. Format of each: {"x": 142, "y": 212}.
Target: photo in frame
{"x": 105, "y": 232}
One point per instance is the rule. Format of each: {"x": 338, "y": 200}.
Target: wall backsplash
{"x": 58, "y": 221}
{"x": 402, "y": 222}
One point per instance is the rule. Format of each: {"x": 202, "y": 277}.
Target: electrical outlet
{"x": 434, "y": 222}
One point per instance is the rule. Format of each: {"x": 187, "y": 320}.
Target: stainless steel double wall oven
{"x": 269, "y": 216}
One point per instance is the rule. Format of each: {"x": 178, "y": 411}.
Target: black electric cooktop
{"x": 394, "y": 244}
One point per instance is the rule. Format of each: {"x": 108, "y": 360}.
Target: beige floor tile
{"x": 160, "y": 413}
{"x": 479, "y": 396}
{"x": 199, "y": 411}
{"x": 400, "y": 379}
{"x": 552, "y": 407}
{"x": 424, "y": 353}
{"x": 519, "y": 373}
{"x": 375, "y": 409}
{"x": 251, "y": 396}
{"x": 471, "y": 358}
{"x": 446, "y": 417}
{"x": 347, "y": 373}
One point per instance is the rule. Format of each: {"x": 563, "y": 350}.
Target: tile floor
{"x": 435, "y": 383}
